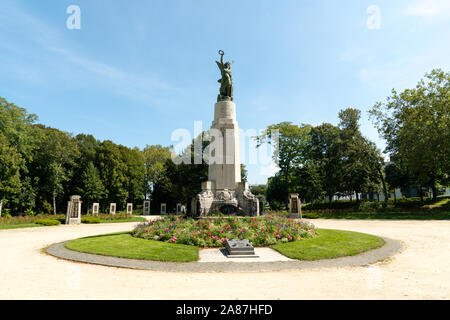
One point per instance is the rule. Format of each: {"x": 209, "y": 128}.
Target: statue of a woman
{"x": 226, "y": 88}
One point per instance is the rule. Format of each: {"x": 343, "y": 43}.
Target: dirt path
{"x": 421, "y": 271}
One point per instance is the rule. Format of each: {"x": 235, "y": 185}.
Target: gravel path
{"x": 419, "y": 271}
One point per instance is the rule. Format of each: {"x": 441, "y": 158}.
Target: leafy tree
{"x": 155, "y": 158}
{"x": 361, "y": 161}
{"x": 92, "y": 187}
{"x": 290, "y": 144}
{"x": 112, "y": 170}
{"x": 325, "y": 153}
{"x": 416, "y": 126}
{"x": 9, "y": 170}
{"x": 53, "y": 162}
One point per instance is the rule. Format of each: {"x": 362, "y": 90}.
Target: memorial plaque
{"x": 295, "y": 207}
{"x": 129, "y": 208}
{"x": 95, "y": 209}
{"x": 240, "y": 248}
{"x": 146, "y": 208}
{"x": 73, "y": 215}
{"x": 112, "y": 208}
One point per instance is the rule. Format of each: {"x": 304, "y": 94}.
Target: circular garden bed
{"x": 176, "y": 239}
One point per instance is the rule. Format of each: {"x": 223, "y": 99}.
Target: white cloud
{"x": 428, "y": 8}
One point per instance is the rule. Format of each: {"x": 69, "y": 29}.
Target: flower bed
{"x": 18, "y": 220}
{"x": 208, "y": 232}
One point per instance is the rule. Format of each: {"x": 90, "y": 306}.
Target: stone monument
{"x": 146, "y": 209}
{"x": 73, "y": 215}
{"x": 112, "y": 208}
{"x": 95, "y": 208}
{"x": 295, "y": 207}
{"x": 163, "y": 208}
{"x": 224, "y": 191}
{"x": 129, "y": 208}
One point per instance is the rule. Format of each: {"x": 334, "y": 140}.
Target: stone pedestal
{"x": 129, "y": 208}
{"x": 224, "y": 192}
{"x": 146, "y": 209}
{"x": 95, "y": 209}
{"x": 295, "y": 207}
{"x": 73, "y": 215}
{"x": 112, "y": 208}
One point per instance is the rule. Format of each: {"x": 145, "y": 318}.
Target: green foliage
{"x": 48, "y": 222}
{"x": 90, "y": 220}
{"x": 30, "y": 212}
{"x": 323, "y": 161}
{"x": 416, "y": 126}
{"x": 209, "y": 232}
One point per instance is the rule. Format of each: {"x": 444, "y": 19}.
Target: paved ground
{"x": 420, "y": 271}
{"x": 261, "y": 254}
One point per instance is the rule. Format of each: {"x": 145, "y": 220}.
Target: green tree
{"x": 112, "y": 170}
{"x": 416, "y": 126}
{"x": 290, "y": 143}
{"x": 10, "y": 161}
{"x": 325, "y": 153}
{"x": 92, "y": 187}
{"x": 54, "y": 162}
{"x": 155, "y": 158}
{"x": 361, "y": 161}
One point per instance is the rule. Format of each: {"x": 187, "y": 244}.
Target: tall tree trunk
{"x": 434, "y": 192}
{"x": 1, "y": 205}
{"x": 357, "y": 196}
{"x": 395, "y": 196}
{"x": 421, "y": 194}
{"x": 330, "y": 202}
{"x": 385, "y": 191}
{"x": 54, "y": 205}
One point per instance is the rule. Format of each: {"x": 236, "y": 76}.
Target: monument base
{"x": 239, "y": 201}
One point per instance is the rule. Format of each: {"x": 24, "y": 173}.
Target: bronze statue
{"x": 226, "y": 87}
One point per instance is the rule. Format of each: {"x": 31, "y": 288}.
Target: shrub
{"x": 48, "y": 222}
{"x": 90, "y": 220}
{"x": 30, "y": 212}
{"x": 209, "y": 232}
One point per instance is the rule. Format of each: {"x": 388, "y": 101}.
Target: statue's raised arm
{"x": 226, "y": 88}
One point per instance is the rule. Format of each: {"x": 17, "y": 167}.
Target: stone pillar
{"x": 225, "y": 171}
{"x": 224, "y": 192}
{"x": 146, "y": 208}
{"x": 295, "y": 207}
{"x": 163, "y": 209}
{"x": 112, "y": 208}
{"x": 95, "y": 209}
{"x": 129, "y": 208}
{"x": 73, "y": 215}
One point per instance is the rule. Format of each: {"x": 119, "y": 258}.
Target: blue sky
{"x": 138, "y": 70}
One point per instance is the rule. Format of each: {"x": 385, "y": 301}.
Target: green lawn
{"x": 395, "y": 215}
{"x": 330, "y": 244}
{"x": 132, "y": 219}
{"x": 123, "y": 245}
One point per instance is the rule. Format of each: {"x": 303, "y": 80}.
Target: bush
{"x": 48, "y": 222}
{"x": 90, "y": 220}
{"x": 209, "y": 232}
